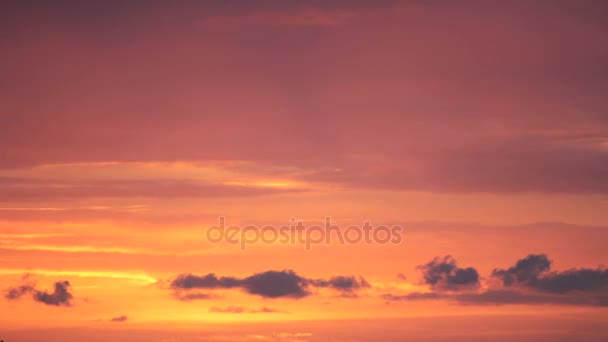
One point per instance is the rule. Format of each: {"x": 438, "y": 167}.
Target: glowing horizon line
{"x": 83, "y": 274}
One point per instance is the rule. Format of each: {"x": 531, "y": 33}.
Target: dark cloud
{"x": 444, "y": 274}
{"x": 61, "y": 295}
{"x": 122, "y": 318}
{"x": 529, "y": 281}
{"x": 532, "y": 272}
{"x": 583, "y": 280}
{"x": 343, "y": 283}
{"x": 269, "y": 284}
{"x": 18, "y": 291}
{"x": 347, "y": 286}
{"x": 209, "y": 281}
{"x": 273, "y": 284}
{"x": 525, "y": 270}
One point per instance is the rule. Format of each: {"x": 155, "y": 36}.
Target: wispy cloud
{"x": 134, "y": 276}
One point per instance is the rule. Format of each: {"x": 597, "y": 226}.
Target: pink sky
{"x": 128, "y": 129}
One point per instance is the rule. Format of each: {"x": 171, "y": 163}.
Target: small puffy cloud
{"x": 274, "y": 284}
{"x": 343, "y": 283}
{"x": 444, "y": 274}
{"x": 525, "y": 271}
{"x": 61, "y": 295}
{"x": 122, "y": 318}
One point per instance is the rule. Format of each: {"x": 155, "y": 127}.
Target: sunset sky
{"x": 128, "y": 128}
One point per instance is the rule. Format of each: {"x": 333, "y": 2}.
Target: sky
{"x": 130, "y": 130}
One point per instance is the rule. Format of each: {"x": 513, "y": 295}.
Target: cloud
{"x": 23, "y": 189}
{"x": 18, "y": 291}
{"x": 514, "y": 164}
{"x": 444, "y": 274}
{"x": 533, "y": 272}
{"x": 343, "y": 283}
{"x": 269, "y": 284}
{"x": 525, "y": 270}
{"x": 122, "y": 318}
{"x": 274, "y": 284}
{"x": 60, "y": 296}
{"x": 190, "y": 296}
{"x": 500, "y": 130}
{"x": 501, "y": 297}
{"x": 529, "y": 281}
{"x": 135, "y": 277}
{"x": 347, "y": 286}
{"x": 583, "y": 280}
{"x": 74, "y": 14}
{"x": 240, "y": 310}
{"x": 209, "y": 281}
{"x": 413, "y": 296}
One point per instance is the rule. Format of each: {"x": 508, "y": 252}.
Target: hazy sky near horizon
{"x": 128, "y": 128}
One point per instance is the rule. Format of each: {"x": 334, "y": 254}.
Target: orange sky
{"x": 127, "y": 130}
